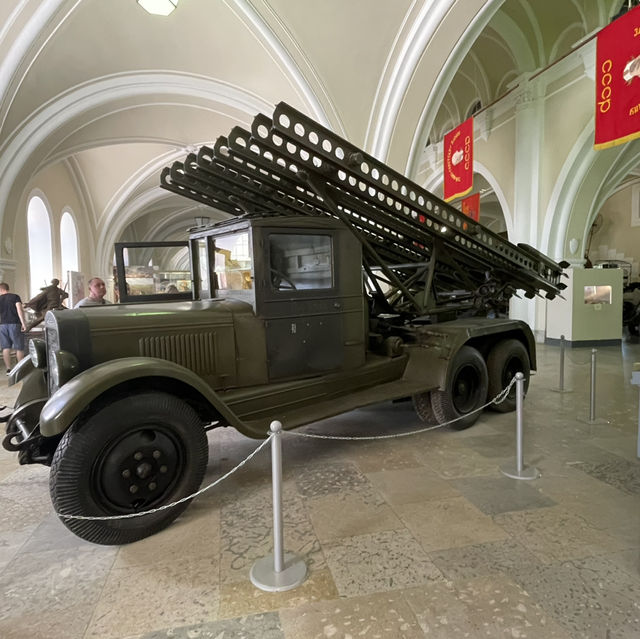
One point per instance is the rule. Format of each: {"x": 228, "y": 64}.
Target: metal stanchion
{"x": 520, "y": 471}
{"x": 279, "y": 571}
{"x": 561, "y": 388}
{"x": 592, "y": 397}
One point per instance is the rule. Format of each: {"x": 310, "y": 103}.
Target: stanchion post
{"x": 561, "y": 383}
{"x": 561, "y": 388}
{"x": 520, "y": 471}
{"x": 279, "y": 571}
{"x": 592, "y": 394}
{"x": 519, "y": 427}
{"x": 276, "y": 481}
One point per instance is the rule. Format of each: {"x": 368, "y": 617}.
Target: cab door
{"x": 313, "y": 324}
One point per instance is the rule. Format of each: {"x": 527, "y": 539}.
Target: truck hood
{"x": 167, "y": 314}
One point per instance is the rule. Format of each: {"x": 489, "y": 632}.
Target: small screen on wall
{"x": 597, "y": 295}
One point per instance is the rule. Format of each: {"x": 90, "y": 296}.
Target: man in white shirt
{"x": 97, "y": 291}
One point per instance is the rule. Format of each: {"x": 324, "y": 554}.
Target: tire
{"x": 507, "y": 358}
{"x": 151, "y": 441}
{"x": 465, "y": 391}
{"x": 422, "y": 406}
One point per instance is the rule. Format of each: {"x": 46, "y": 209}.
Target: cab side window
{"x": 298, "y": 261}
{"x": 233, "y": 262}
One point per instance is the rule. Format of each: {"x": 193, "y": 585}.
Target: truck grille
{"x": 196, "y": 351}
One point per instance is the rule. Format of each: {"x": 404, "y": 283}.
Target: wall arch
{"x": 35, "y": 139}
{"x": 588, "y": 177}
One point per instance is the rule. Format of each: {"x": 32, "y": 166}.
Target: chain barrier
{"x": 499, "y": 398}
{"x": 175, "y": 503}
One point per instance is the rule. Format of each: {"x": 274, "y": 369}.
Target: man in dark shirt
{"x": 12, "y": 325}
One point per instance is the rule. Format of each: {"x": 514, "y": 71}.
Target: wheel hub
{"x": 465, "y": 390}
{"x": 138, "y": 469}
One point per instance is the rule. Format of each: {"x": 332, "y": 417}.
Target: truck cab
{"x": 302, "y": 278}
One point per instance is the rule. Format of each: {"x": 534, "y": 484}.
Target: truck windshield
{"x": 233, "y": 262}
{"x": 156, "y": 270}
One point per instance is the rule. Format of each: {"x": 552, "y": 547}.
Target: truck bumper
{"x": 23, "y": 422}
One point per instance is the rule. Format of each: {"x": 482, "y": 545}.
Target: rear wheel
{"x": 422, "y": 406}
{"x": 135, "y": 454}
{"x": 507, "y": 358}
{"x": 465, "y": 391}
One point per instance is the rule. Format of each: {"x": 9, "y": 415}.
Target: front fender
{"x": 71, "y": 399}
{"x": 21, "y": 370}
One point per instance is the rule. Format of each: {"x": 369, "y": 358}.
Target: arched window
{"x": 68, "y": 245}
{"x": 40, "y": 254}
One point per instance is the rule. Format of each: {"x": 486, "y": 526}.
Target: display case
{"x": 591, "y": 311}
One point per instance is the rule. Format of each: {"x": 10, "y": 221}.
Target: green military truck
{"x": 333, "y": 283}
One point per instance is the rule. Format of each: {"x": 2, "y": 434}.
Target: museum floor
{"x": 417, "y": 536}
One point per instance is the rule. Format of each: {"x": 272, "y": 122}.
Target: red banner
{"x": 471, "y": 206}
{"x": 458, "y": 161}
{"x": 618, "y": 81}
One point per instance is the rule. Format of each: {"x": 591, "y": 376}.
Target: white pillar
{"x": 527, "y": 162}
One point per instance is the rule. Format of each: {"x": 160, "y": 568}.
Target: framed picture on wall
{"x": 76, "y": 287}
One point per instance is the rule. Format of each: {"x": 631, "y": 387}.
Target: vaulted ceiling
{"x": 115, "y": 93}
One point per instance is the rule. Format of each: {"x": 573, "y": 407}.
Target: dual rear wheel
{"x": 472, "y": 382}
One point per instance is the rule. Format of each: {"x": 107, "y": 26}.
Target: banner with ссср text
{"x": 471, "y": 206}
{"x": 618, "y": 81}
{"x": 458, "y": 161}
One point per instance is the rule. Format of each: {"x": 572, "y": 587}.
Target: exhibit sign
{"x": 458, "y": 161}
{"x": 617, "y": 118}
{"x": 471, "y": 206}
{"x": 76, "y": 288}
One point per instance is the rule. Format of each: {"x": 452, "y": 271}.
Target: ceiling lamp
{"x": 158, "y": 7}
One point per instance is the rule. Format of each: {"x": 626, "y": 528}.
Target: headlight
{"x": 38, "y": 352}
{"x": 64, "y": 366}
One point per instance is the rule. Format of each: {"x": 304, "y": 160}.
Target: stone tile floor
{"x": 417, "y": 536}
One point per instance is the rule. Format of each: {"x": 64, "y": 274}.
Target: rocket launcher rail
{"x": 423, "y": 257}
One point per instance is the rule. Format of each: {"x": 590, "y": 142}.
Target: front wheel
{"x": 465, "y": 391}
{"x": 135, "y": 454}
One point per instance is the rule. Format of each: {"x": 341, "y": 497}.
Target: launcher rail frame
{"x": 423, "y": 258}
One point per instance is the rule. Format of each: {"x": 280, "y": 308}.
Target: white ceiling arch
{"x": 87, "y": 86}
{"x": 401, "y": 66}
{"x": 76, "y": 107}
{"x": 443, "y": 80}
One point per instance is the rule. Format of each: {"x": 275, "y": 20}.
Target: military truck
{"x": 333, "y": 282}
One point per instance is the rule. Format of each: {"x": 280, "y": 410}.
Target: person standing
{"x": 97, "y": 291}
{"x": 12, "y": 325}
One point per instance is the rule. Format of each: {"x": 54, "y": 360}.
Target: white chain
{"x": 500, "y": 397}
{"x": 175, "y": 503}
